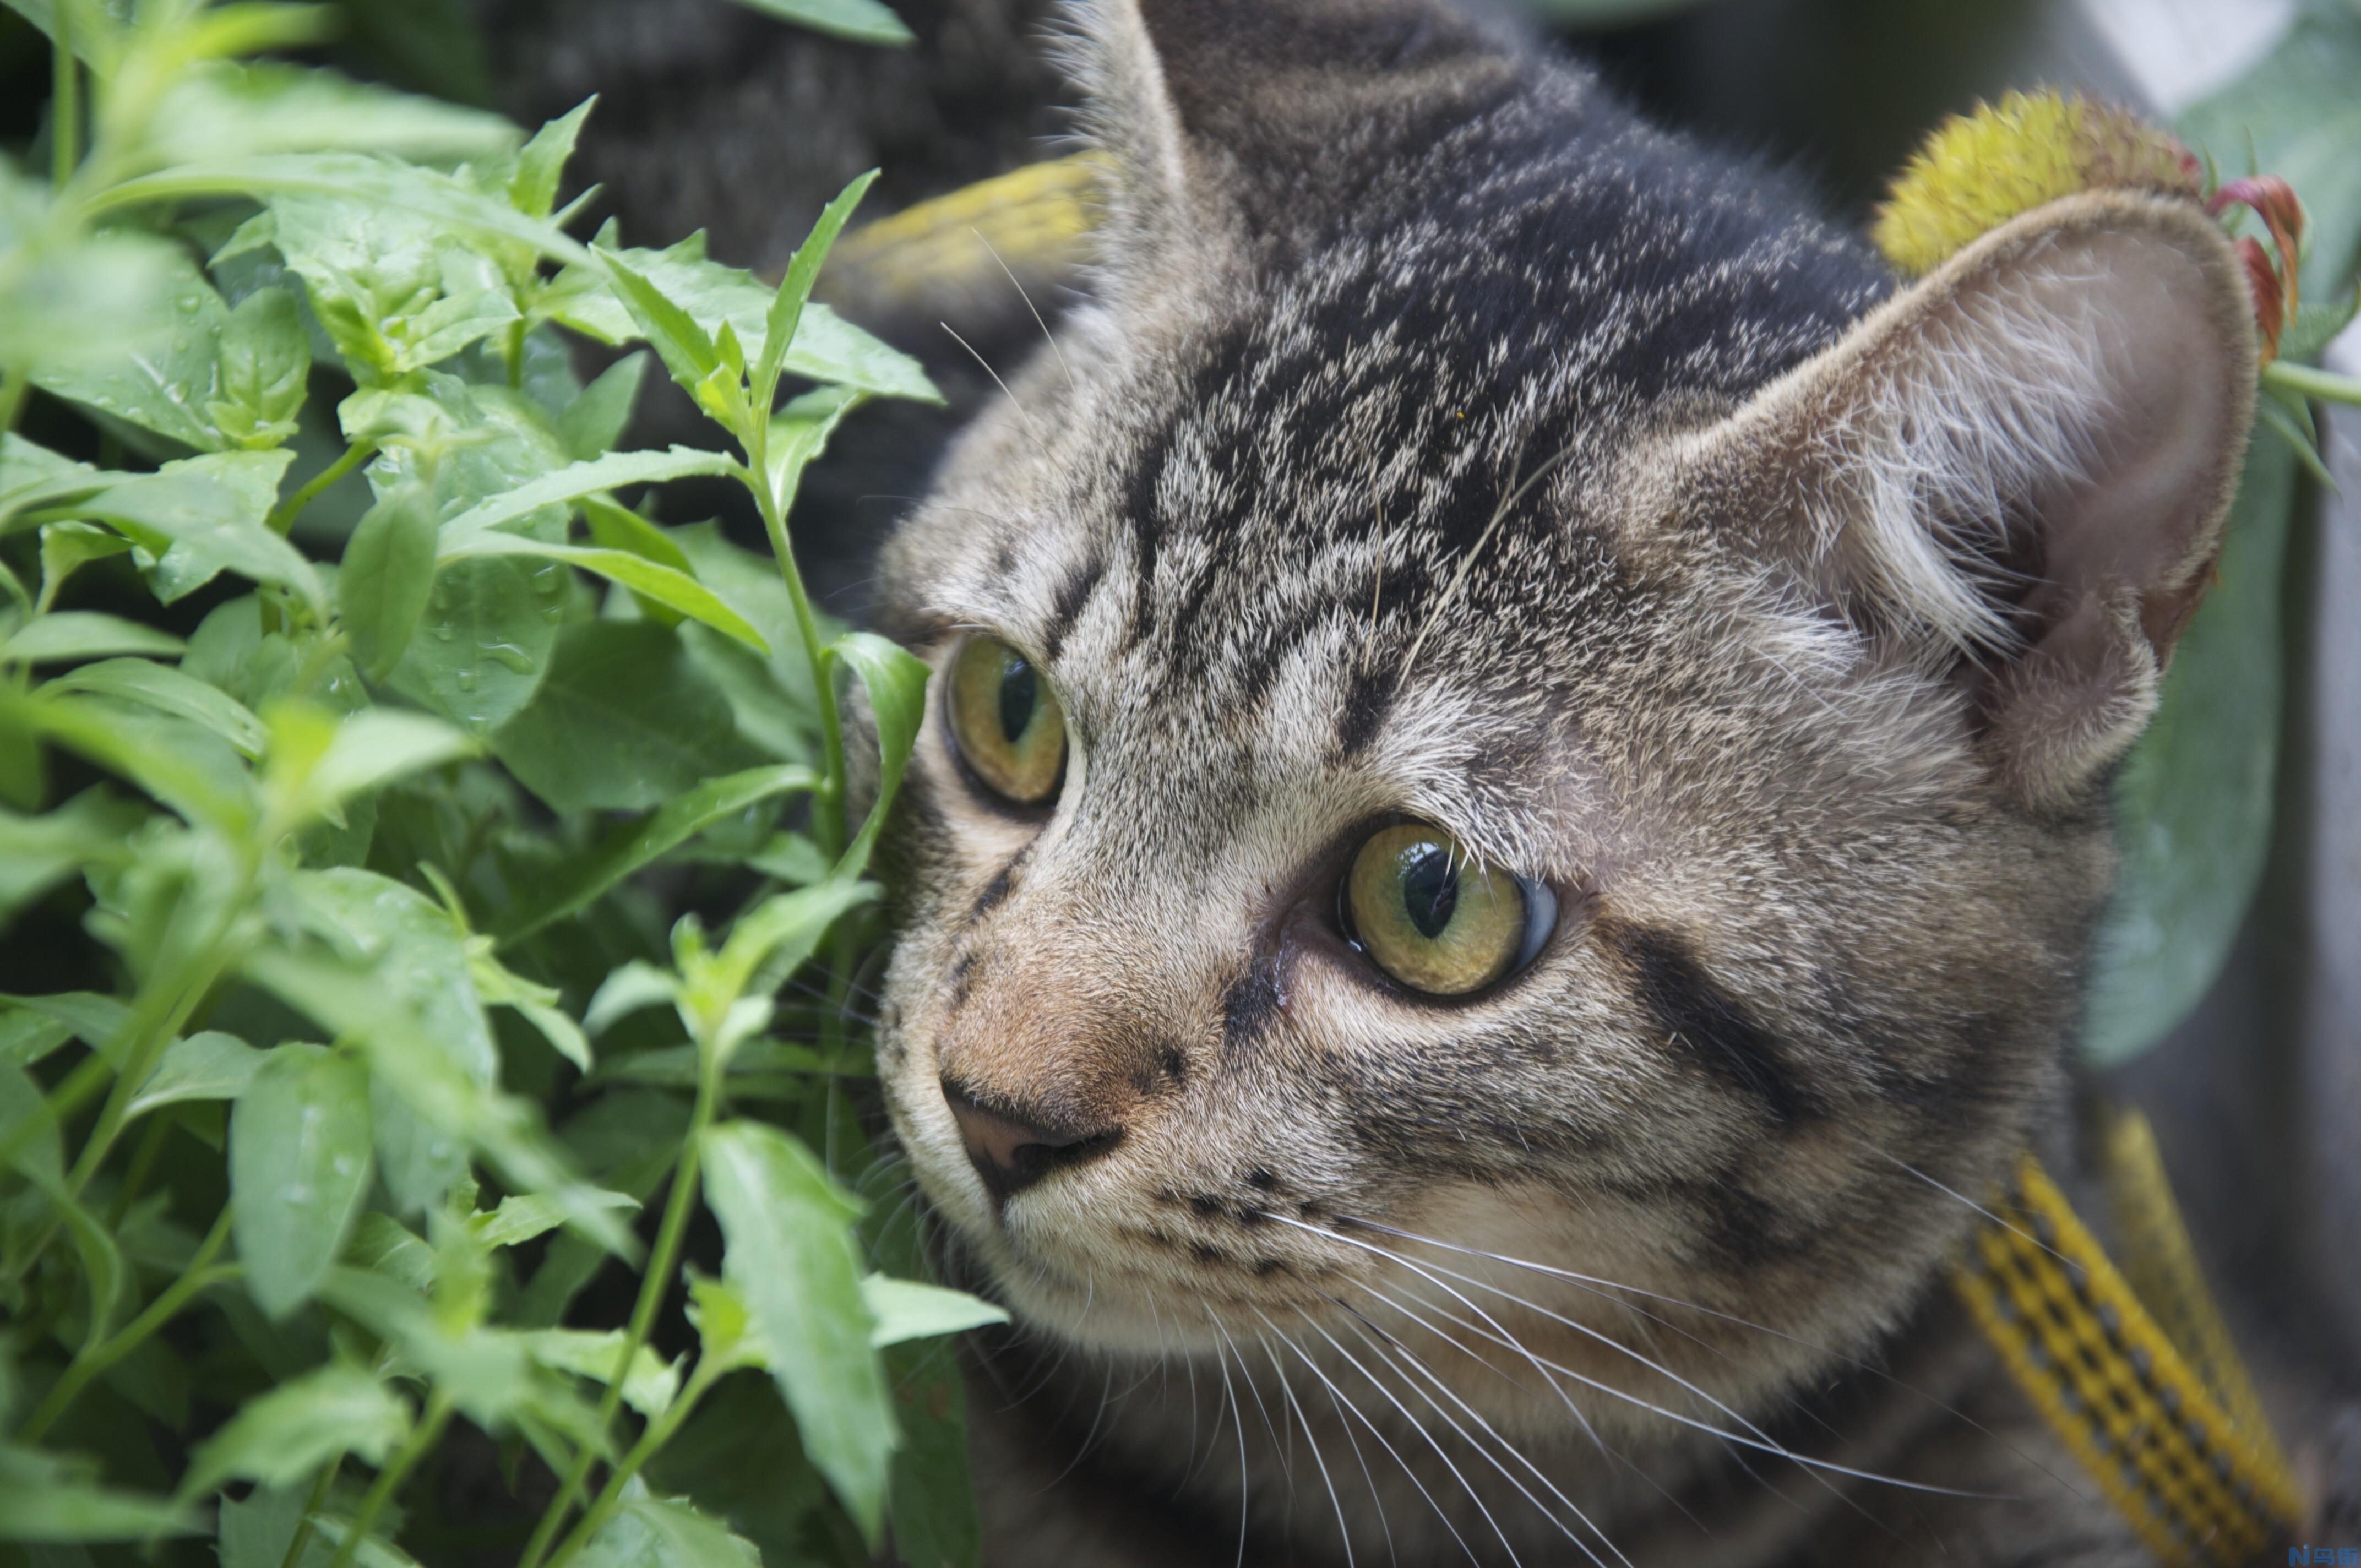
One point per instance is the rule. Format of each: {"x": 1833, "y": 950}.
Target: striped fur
{"x": 1442, "y": 442}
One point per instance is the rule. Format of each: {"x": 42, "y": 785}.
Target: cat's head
{"x": 1503, "y": 691}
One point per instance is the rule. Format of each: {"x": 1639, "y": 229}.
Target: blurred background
{"x": 2241, "y": 968}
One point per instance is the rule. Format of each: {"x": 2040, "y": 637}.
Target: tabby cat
{"x": 1511, "y": 812}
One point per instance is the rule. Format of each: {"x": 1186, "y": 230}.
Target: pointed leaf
{"x": 791, "y": 1255}
{"x": 611, "y": 472}
{"x": 298, "y": 1168}
{"x": 589, "y": 875}
{"x": 282, "y": 1437}
{"x": 169, "y": 691}
{"x": 795, "y": 288}
{"x": 207, "y": 1066}
{"x": 388, "y": 572}
{"x": 908, "y": 1310}
{"x": 665, "y": 584}
{"x": 625, "y": 721}
{"x": 85, "y": 634}
{"x": 896, "y": 681}
{"x": 596, "y": 420}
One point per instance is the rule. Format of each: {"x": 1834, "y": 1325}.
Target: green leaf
{"x": 625, "y": 721}
{"x": 38, "y": 853}
{"x": 383, "y": 1245}
{"x": 42, "y": 1501}
{"x": 299, "y": 1166}
{"x": 456, "y": 211}
{"x": 520, "y": 1218}
{"x": 826, "y": 346}
{"x": 795, "y": 286}
{"x": 207, "y": 1066}
{"x": 862, "y": 21}
{"x": 2296, "y": 114}
{"x": 532, "y": 188}
{"x": 85, "y": 634}
{"x": 204, "y": 515}
{"x": 168, "y": 691}
{"x": 166, "y": 385}
{"x": 596, "y": 421}
{"x": 933, "y": 1493}
{"x": 791, "y": 1255}
{"x": 368, "y": 751}
{"x": 611, "y": 472}
{"x": 771, "y": 941}
{"x": 422, "y": 969}
{"x": 66, "y": 547}
{"x": 2318, "y": 323}
{"x": 619, "y": 528}
{"x": 416, "y": 1067}
{"x": 896, "y": 681}
{"x": 179, "y": 763}
{"x": 388, "y": 572}
{"x": 484, "y": 644}
{"x": 264, "y": 369}
{"x": 666, "y": 1532}
{"x": 256, "y": 1532}
{"x": 395, "y": 289}
{"x": 908, "y": 1310}
{"x": 675, "y": 589}
{"x": 32, "y": 475}
{"x": 282, "y": 1437}
{"x": 222, "y": 110}
{"x": 80, "y": 308}
{"x": 680, "y": 341}
{"x": 537, "y": 1005}
{"x": 650, "y": 1386}
{"x": 799, "y": 433}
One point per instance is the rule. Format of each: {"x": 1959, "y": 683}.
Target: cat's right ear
{"x": 2020, "y": 463}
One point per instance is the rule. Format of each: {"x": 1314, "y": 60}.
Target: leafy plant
{"x": 390, "y": 829}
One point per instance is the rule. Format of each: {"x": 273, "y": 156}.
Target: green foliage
{"x": 385, "y": 1058}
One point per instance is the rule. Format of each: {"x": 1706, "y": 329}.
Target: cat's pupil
{"x": 1017, "y": 684}
{"x": 1430, "y": 888}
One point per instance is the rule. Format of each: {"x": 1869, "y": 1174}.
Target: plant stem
{"x": 2326, "y": 385}
{"x": 65, "y": 103}
{"x": 144, "y": 1039}
{"x": 312, "y": 1505}
{"x": 206, "y": 967}
{"x": 12, "y": 400}
{"x": 654, "y": 1286}
{"x": 659, "y": 1433}
{"x": 282, "y": 516}
{"x": 143, "y": 1163}
{"x": 388, "y": 1480}
{"x": 828, "y": 825}
{"x": 95, "y": 1359}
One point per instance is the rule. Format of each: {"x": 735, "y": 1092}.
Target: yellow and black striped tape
{"x": 2186, "y": 1459}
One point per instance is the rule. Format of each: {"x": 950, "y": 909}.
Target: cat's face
{"x": 1436, "y": 754}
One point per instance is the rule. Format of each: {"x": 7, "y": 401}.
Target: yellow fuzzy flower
{"x": 1978, "y": 170}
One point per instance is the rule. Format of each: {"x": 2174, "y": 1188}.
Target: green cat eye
{"x": 1425, "y": 912}
{"x": 1007, "y": 724}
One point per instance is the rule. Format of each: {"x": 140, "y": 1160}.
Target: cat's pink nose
{"x": 1012, "y": 1150}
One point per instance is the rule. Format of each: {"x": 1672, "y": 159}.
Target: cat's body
{"x": 1447, "y": 448}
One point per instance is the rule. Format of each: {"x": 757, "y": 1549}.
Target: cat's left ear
{"x": 2024, "y": 459}
{"x": 1237, "y": 128}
